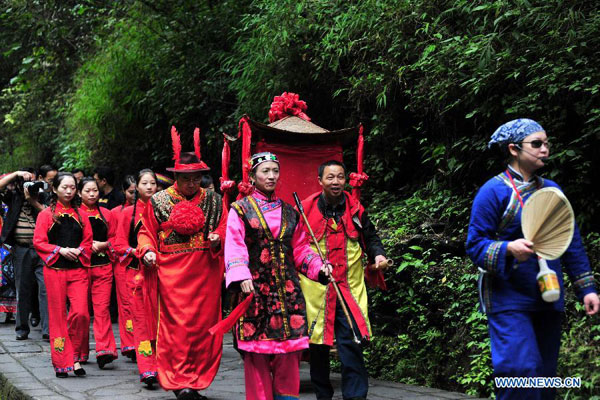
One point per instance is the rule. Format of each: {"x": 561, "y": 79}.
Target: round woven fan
{"x": 548, "y": 221}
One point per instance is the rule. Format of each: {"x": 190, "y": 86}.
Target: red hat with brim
{"x": 189, "y": 163}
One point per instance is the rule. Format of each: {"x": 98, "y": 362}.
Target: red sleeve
{"x": 221, "y": 231}
{"x": 148, "y": 235}
{"x": 112, "y": 223}
{"x": 86, "y": 244}
{"x": 48, "y": 252}
{"x": 124, "y": 251}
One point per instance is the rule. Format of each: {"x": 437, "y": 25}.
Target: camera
{"x": 35, "y": 187}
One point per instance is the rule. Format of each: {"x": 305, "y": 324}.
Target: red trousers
{"x": 100, "y": 286}
{"x": 69, "y": 336}
{"x": 272, "y": 376}
{"x": 145, "y": 346}
{"x": 123, "y": 303}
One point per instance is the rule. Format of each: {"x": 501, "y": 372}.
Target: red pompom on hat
{"x": 186, "y": 218}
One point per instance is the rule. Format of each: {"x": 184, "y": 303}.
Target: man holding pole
{"x": 344, "y": 233}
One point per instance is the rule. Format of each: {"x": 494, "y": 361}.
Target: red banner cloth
{"x": 299, "y": 165}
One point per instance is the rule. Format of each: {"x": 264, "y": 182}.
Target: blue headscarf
{"x": 515, "y": 131}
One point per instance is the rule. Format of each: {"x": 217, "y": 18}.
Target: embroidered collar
{"x": 517, "y": 176}
{"x": 265, "y": 203}
{"x": 62, "y": 209}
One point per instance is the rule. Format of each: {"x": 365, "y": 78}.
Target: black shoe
{"x": 62, "y": 375}
{"x": 46, "y": 337}
{"x": 149, "y": 381}
{"x": 130, "y": 354}
{"x": 34, "y": 321}
{"x": 188, "y": 394}
{"x": 104, "y": 359}
{"x": 79, "y": 372}
{"x": 22, "y": 336}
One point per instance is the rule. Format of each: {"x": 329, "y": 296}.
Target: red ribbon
{"x": 246, "y": 133}
{"x": 186, "y": 167}
{"x": 227, "y": 323}
{"x": 226, "y": 184}
{"x": 357, "y": 179}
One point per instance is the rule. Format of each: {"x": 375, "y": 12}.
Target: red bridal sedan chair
{"x": 301, "y": 146}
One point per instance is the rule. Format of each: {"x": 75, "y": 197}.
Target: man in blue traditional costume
{"x": 524, "y": 329}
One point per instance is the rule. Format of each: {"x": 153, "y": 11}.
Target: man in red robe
{"x": 183, "y": 229}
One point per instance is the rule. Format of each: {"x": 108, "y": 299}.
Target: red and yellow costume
{"x": 65, "y": 280}
{"x": 123, "y": 297}
{"x": 100, "y": 275}
{"x": 189, "y": 284}
{"x": 141, "y": 292}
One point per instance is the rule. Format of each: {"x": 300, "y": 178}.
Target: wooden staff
{"x": 333, "y": 282}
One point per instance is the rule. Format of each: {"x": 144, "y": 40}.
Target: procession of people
{"x": 297, "y": 274}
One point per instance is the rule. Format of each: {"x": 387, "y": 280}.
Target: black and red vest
{"x": 278, "y": 310}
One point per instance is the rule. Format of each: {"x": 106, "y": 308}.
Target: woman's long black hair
{"x": 127, "y": 181}
{"x": 132, "y": 236}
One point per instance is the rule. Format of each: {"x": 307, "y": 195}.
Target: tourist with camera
{"x": 25, "y": 201}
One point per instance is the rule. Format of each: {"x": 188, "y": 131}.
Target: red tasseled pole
{"x": 225, "y": 160}
{"x": 359, "y": 150}
{"x": 197, "y": 143}
{"x": 246, "y": 132}
{"x": 359, "y": 163}
{"x": 225, "y": 155}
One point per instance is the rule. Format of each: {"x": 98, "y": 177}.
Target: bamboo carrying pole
{"x": 333, "y": 282}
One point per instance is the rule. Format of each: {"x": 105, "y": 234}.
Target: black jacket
{"x": 15, "y": 199}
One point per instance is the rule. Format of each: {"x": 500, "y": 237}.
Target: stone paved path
{"x": 26, "y": 373}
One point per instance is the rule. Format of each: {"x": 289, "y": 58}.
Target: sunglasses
{"x": 536, "y": 144}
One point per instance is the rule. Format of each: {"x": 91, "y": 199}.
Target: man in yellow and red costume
{"x": 344, "y": 233}
{"x": 182, "y": 233}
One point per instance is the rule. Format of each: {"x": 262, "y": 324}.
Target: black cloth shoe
{"x": 104, "y": 359}
{"x": 62, "y": 375}
{"x": 79, "y": 372}
{"x": 149, "y": 381}
{"x": 34, "y": 321}
{"x": 22, "y": 336}
{"x": 188, "y": 394}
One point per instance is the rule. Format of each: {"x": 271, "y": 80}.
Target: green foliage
{"x": 428, "y": 329}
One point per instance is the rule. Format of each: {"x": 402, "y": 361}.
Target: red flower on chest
{"x": 265, "y": 256}
{"x": 186, "y": 218}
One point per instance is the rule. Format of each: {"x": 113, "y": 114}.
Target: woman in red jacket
{"x": 100, "y": 274}
{"x": 63, "y": 240}
{"x": 141, "y": 285}
{"x": 119, "y": 272}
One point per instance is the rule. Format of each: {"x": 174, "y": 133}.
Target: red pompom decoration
{"x": 357, "y": 180}
{"x": 245, "y": 188}
{"x": 287, "y": 104}
{"x": 186, "y": 218}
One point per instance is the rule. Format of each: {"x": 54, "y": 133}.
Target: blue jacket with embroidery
{"x": 506, "y": 283}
